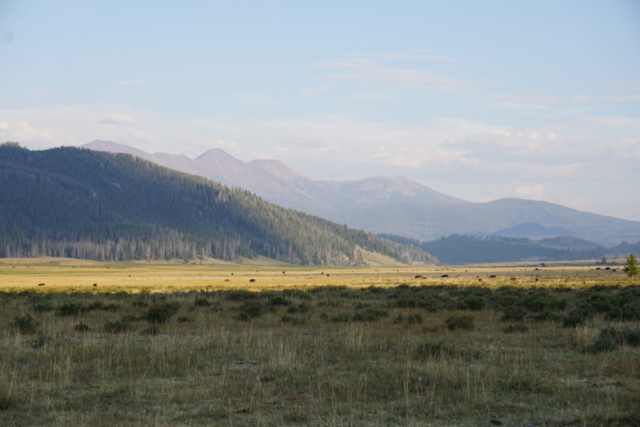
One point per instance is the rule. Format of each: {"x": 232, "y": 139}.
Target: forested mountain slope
{"x": 463, "y": 249}
{"x": 95, "y": 205}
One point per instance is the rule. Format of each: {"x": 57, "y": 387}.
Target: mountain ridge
{"x": 429, "y": 222}
{"x": 397, "y": 205}
{"x": 88, "y": 204}
{"x": 286, "y": 187}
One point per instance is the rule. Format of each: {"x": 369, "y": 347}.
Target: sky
{"x": 476, "y": 99}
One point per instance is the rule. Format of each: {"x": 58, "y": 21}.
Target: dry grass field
{"x": 172, "y": 345}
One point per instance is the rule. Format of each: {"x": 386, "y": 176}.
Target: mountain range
{"x": 393, "y": 205}
{"x": 277, "y": 183}
{"x": 94, "y": 205}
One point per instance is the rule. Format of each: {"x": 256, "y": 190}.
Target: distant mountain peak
{"x": 276, "y": 167}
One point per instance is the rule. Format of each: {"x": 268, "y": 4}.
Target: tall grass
{"x": 189, "y": 358}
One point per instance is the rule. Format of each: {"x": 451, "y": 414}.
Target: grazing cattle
{"x": 283, "y": 272}
{"x": 418, "y": 277}
{"x": 327, "y": 274}
{"x": 40, "y": 284}
{"x": 95, "y": 284}
{"x": 537, "y": 279}
{"x": 252, "y": 280}
{"x": 537, "y": 269}
{"x": 614, "y": 270}
{"x": 232, "y": 274}
{"x": 598, "y": 268}
{"x": 479, "y": 280}
{"x": 444, "y": 275}
{"x": 513, "y": 279}
{"x": 608, "y": 268}
{"x": 227, "y": 280}
{"x": 493, "y": 276}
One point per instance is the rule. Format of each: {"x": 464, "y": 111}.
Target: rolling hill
{"x": 95, "y": 205}
{"x": 428, "y": 222}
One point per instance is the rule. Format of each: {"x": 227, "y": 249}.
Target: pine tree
{"x": 632, "y": 266}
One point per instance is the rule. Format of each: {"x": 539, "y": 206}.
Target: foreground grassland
{"x": 174, "y": 344}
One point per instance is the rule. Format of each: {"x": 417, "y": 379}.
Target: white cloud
{"x": 223, "y": 143}
{"x": 370, "y": 97}
{"x": 622, "y": 98}
{"x": 627, "y": 123}
{"x": 627, "y": 91}
{"x": 118, "y": 119}
{"x": 367, "y": 72}
{"x": 132, "y": 82}
{"x": 627, "y": 149}
{"x": 528, "y": 192}
{"x": 314, "y": 91}
{"x": 416, "y": 54}
{"x": 538, "y": 101}
{"x": 248, "y": 99}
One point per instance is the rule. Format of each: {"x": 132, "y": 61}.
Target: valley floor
{"x": 167, "y": 344}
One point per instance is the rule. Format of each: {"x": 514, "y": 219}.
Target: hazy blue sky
{"x": 477, "y": 99}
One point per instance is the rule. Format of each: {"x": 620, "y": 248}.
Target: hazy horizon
{"x": 480, "y": 101}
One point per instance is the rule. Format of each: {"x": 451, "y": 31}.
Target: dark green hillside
{"x": 94, "y": 205}
{"x": 457, "y": 249}
{"x": 462, "y": 249}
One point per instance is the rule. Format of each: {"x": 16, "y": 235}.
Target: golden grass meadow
{"x": 165, "y": 344}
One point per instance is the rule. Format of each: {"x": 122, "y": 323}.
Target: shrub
{"x": 252, "y": 308}
{"x": 574, "y": 318}
{"x": 515, "y": 327}
{"x": 161, "y": 313}
{"x": 459, "y": 322}
{"x": 513, "y": 314}
{"x": 278, "y": 300}
{"x": 414, "y": 318}
{"x": 370, "y": 315}
{"x": 42, "y": 307}
{"x": 140, "y": 303}
{"x": 99, "y": 305}
{"x": 244, "y": 317}
{"x": 610, "y": 338}
{"x": 81, "y": 327}
{"x": 240, "y": 295}
{"x": 151, "y": 330}
{"x": 433, "y": 350}
{"x": 117, "y": 326}
{"x": 70, "y": 309}
{"x": 473, "y": 302}
{"x": 25, "y": 324}
{"x": 341, "y": 317}
{"x": 302, "y": 308}
{"x": 201, "y": 302}
{"x": 544, "y": 316}
{"x": 295, "y": 321}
